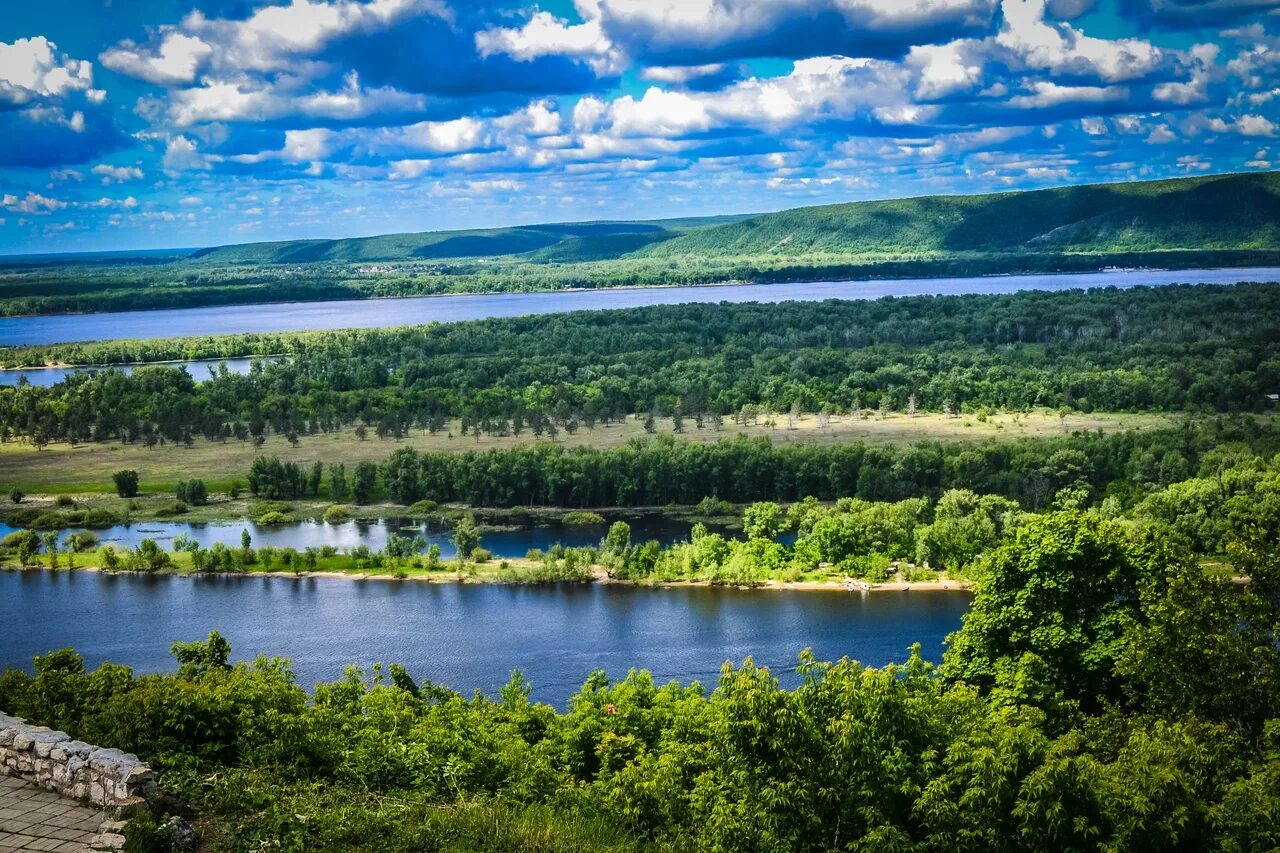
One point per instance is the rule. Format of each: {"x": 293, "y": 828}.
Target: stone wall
{"x": 71, "y": 768}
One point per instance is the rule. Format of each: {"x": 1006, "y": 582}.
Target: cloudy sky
{"x": 140, "y": 123}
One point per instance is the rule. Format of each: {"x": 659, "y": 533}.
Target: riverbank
{"x": 493, "y": 573}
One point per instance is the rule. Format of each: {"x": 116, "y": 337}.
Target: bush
{"x": 579, "y": 518}
{"x": 170, "y": 510}
{"x": 16, "y": 495}
{"x": 481, "y": 555}
{"x": 259, "y": 509}
{"x": 337, "y": 514}
{"x": 64, "y": 501}
{"x": 423, "y": 508}
{"x": 126, "y": 483}
{"x": 274, "y": 517}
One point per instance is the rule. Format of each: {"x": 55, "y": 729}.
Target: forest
{"x": 1185, "y": 223}
{"x": 1186, "y": 348}
{"x": 1105, "y": 693}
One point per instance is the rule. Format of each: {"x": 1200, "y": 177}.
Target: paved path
{"x": 32, "y": 819}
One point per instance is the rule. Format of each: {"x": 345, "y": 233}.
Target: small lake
{"x": 374, "y": 534}
{"x": 466, "y": 637}
{"x": 374, "y": 313}
{"x": 45, "y": 377}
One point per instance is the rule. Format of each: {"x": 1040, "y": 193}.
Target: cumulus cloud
{"x": 117, "y": 174}
{"x": 31, "y": 203}
{"x": 173, "y": 61}
{"x": 1062, "y": 49}
{"x": 32, "y": 69}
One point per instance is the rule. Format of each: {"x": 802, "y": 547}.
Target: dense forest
{"x": 1226, "y": 220}
{"x": 1190, "y": 348}
{"x": 1105, "y": 693}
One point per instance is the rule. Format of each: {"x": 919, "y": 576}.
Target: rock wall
{"x": 71, "y": 768}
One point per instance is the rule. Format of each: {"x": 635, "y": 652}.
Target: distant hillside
{"x": 1227, "y": 212}
{"x": 564, "y": 242}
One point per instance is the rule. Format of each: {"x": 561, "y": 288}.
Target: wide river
{"x": 467, "y": 637}
{"x": 371, "y": 313}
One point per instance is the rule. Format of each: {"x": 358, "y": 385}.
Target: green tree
{"x": 364, "y": 482}
{"x": 466, "y": 536}
{"x": 1065, "y": 591}
{"x": 763, "y": 520}
{"x": 126, "y": 483}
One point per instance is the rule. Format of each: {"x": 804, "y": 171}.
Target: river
{"x": 373, "y": 313}
{"x": 466, "y": 637}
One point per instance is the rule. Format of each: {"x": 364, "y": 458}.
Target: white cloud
{"x": 117, "y": 174}
{"x": 546, "y": 35}
{"x": 679, "y": 74}
{"x": 1047, "y": 94}
{"x": 181, "y": 154}
{"x": 947, "y": 68}
{"x": 32, "y": 203}
{"x": 1060, "y": 48}
{"x": 659, "y": 113}
{"x": 32, "y": 68}
{"x": 173, "y": 62}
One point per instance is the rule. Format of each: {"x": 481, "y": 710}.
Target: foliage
{"x": 126, "y": 483}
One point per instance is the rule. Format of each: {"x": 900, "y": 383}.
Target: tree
{"x": 763, "y": 520}
{"x": 466, "y": 536}
{"x": 195, "y": 659}
{"x": 365, "y": 482}
{"x": 126, "y": 483}
{"x": 1065, "y": 591}
{"x": 618, "y": 539}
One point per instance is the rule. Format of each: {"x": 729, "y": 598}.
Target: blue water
{"x": 374, "y": 534}
{"x": 467, "y": 637}
{"x": 44, "y": 377}
{"x": 372, "y": 313}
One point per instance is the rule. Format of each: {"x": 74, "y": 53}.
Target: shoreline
{"x": 598, "y": 577}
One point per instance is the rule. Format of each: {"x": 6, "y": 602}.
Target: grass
{"x": 87, "y": 468}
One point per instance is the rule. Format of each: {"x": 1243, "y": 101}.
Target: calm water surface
{"x": 370, "y": 313}
{"x": 465, "y": 636}
{"x": 374, "y": 533}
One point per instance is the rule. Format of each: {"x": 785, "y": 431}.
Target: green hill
{"x": 1227, "y": 212}
{"x": 564, "y": 242}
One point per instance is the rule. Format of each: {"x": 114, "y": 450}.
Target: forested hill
{"x": 568, "y": 241}
{"x": 1224, "y": 212}
{"x": 1216, "y": 213}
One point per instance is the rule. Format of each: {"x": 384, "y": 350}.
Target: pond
{"x": 467, "y": 637}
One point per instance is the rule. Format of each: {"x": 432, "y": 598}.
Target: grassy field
{"x": 87, "y": 468}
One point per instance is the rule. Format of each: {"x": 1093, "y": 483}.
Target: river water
{"x": 372, "y": 313}
{"x": 466, "y": 637}
{"x": 374, "y": 533}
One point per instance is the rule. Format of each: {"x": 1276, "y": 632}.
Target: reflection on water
{"x": 464, "y": 636}
{"x": 374, "y": 533}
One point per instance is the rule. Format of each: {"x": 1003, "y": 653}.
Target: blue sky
{"x": 151, "y": 123}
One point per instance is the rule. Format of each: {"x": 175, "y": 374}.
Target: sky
{"x": 131, "y": 124}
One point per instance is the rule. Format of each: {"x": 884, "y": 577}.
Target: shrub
{"x": 337, "y": 514}
{"x": 16, "y": 495}
{"x": 420, "y": 508}
{"x": 126, "y": 483}
{"x": 580, "y": 518}
{"x": 170, "y": 510}
{"x": 64, "y": 500}
{"x": 481, "y": 555}
{"x": 274, "y": 517}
